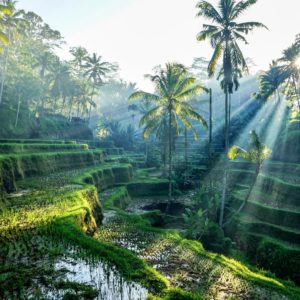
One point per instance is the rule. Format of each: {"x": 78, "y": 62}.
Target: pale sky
{"x": 140, "y": 34}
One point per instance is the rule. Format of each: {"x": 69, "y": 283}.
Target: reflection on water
{"x": 100, "y": 276}
{"x": 143, "y": 204}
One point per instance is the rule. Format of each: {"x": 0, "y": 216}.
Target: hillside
{"x": 53, "y": 203}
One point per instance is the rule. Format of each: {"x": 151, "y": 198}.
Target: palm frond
{"x": 207, "y": 32}
{"x": 246, "y": 27}
{"x": 140, "y": 95}
{"x": 192, "y": 114}
{"x": 151, "y": 115}
{"x": 236, "y": 151}
{"x": 3, "y": 38}
{"x": 214, "y": 60}
{"x": 207, "y": 11}
{"x": 241, "y": 7}
{"x": 188, "y": 93}
{"x": 6, "y": 9}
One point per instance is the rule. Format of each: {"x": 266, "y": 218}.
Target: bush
{"x": 283, "y": 262}
{"x": 214, "y": 240}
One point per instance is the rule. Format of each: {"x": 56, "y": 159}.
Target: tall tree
{"x": 4, "y": 39}
{"x": 290, "y": 66}
{"x": 224, "y": 38}
{"x": 11, "y": 23}
{"x": 270, "y": 82}
{"x": 59, "y": 78}
{"x": 173, "y": 86}
{"x": 224, "y": 34}
{"x": 43, "y": 63}
{"x": 80, "y": 55}
{"x": 96, "y": 71}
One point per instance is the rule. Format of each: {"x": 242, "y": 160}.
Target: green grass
{"x": 19, "y": 166}
{"x": 236, "y": 268}
{"x": 9, "y": 148}
{"x": 282, "y": 217}
{"x": 69, "y": 209}
{"x": 291, "y": 235}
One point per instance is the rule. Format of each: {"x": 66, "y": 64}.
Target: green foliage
{"x": 178, "y": 294}
{"x": 273, "y": 255}
{"x": 257, "y": 153}
{"x": 18, "y": 166}
{"x": 20, "y": 148}
{"x": 173, "y": 86}
{"x": 113, "y": 131}
{"x": 118, "y": 198}
{"x": 35, "y": 82}
{"x": 283, "y": 217}
{"x": 270, "y": 81}
{"x": 201, "y": 217}
{"x": 148, "y": 187}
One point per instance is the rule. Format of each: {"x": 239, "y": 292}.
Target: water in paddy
{"x": 71, "y": 274}
{"x": 148, "y": 203}
{"x": 105, "y": 279}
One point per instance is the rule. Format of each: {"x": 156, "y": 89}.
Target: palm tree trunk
{"x": 63, "y": 104}
{"x": 18, "y": 111}
{"x": 70, "y": 108}
{"x": 278, "y": 96}
{"x": 42, "y": 98}
{"x": 78, "y": 110}
{"x": 90, "y": 109}
{"x": 229, "y": 112}
{"x": 55, "y": 104}
{"x": 296, "y": 92}
{"x": 146, "y": 152}
{"x": 210, "y": 124}
{"x": 170, "y": 157}
{"x": 3, "y": 74}
{"x": 165, "y": 145}
{"x": 226, "y": 122}
{"x": 91, "y": 104}
{"x": 224, "y": 190}
{"x": 258, "y": 166}
{"x": 185, "y": 148}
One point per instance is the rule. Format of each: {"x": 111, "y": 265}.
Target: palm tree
{"x": 96, "y": 70}
{"x": 142, "y": 108}
{"x": 4, "y": 11}
{"x": 224, "y": 38}
{"x": 224, "y": 35}
{"x": 257, "y": 154}
{"x": 83, "y": 99}
{"x": 43, "y": 63}
{"x": 270, "y": 82}
{"x": 11, "y": 21}
{"x": 59, "y": 78}
{"x": 234, "y": 86}
{"x": 290, "y": 66}
{"x": 173, "y": 86}
{"x": 80, "y": 55}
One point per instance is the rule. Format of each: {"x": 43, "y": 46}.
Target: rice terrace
{"x": 150, "y": 150}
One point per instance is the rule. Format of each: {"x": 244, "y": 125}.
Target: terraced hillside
{"x": 65, "y": 233}
{"x": 268, "y": 228}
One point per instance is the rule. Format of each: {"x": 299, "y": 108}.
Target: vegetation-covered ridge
{"x": 65, "y": 205}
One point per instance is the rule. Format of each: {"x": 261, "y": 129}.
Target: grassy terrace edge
{"x": 74, "y": 216}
